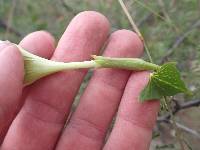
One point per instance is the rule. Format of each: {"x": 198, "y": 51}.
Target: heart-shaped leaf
{"x": 166, "y": 81}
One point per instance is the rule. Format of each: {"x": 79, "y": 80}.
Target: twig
{"x": 156, "y": 14}
{"x": 177, "y": 126}
{"x": 183, "y": 127}
{"x": 162, "y": 6}
{"x": 149, "y": 9}
{"x": 173, "y": 122}
{"x": 194, "y": 103}
{"x": 168, "y": 19}
{"x": 135, "y": 28}
{"x": 187, "y": 129}
{"x": 178, "y": 107}
{"x": 179, "y": 40}
{"x": 130, "y": 19}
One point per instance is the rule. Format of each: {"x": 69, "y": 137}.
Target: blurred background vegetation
{"x": 171, "y": 29}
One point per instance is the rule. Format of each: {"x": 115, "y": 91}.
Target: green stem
{"x": 76, "y": 65}
{"x": 37, "y": 67}
{"x": 103, "y": 62}
{"x": 124, "y": 63}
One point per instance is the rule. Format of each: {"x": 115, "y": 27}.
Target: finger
{"x": 102, "y": 96}
{"x": 11, "y": 83}
{"x": 40, "y": 43}
{"x": 4, "y": 44}
{"x": 135, "y": 120}
{"x": 48, "y": 103}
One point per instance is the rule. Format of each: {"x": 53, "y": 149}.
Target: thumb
{"x": 11, "y": 84}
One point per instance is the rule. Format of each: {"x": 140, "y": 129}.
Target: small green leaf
{"x": 150, "y": 92}
{"x": 166, "y": 81}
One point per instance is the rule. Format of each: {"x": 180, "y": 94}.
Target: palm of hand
{"x": 34, "y": 117}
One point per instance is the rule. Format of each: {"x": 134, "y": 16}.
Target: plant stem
{"x": 135, "y": 28}
{"x": 130, "y": 19}
{"x": 124, "y": 63}
{"x": 98, "y": 62}
{"x": 76, "y": 65}
{"x": 104, "y": 62}
{"x": 37, "y": 67}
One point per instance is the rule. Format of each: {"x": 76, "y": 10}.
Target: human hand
{"x": 33, "y": 118}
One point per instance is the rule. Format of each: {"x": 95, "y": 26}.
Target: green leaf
{"x": 166, "y": 81}
{"x": 150, "y": 92}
